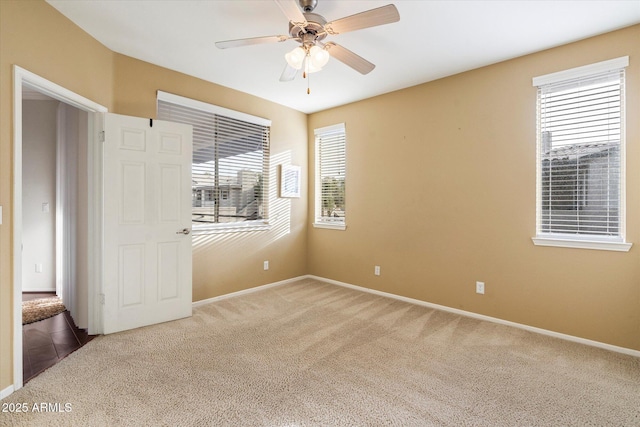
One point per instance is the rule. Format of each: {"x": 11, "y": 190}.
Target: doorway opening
{"x": 54, "y": 230}
{"x": 57, "y": 209}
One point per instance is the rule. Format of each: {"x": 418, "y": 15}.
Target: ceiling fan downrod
{"x": 308, "y": 5}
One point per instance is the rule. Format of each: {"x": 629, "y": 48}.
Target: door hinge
{"x": 102, "y": 299}
{"x": 101, "y": 136}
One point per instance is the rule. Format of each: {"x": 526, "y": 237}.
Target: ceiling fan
{"x": 310, "y": 29}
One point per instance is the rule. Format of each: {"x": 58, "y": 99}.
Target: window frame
{"x": 584, "y": 241}
{"x": 319, "y": 220}
{"x": 232, "y": 227}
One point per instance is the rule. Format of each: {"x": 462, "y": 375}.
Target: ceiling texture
{"x": 433, "y": 39}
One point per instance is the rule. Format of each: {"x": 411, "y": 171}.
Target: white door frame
{"x": 23, "y": 77}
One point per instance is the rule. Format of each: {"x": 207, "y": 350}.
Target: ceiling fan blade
{"x": 292, "y": 12}
{"x": 371, "y": 18}
{"x": 349, "y": 58}
{"x": 251, "y": 41}
{"x": 288, "y": 74}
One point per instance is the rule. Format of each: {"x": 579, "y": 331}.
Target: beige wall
{"x": 441, "y": 185}
{"x": 36, "y": 37}
{"x": 39, "y": 139}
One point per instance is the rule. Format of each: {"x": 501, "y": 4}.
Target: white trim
{"x": 247, "y": 291}
{"x": 582, "y": 244}
{"x": 210, "y": 108}
{"x": 64, "y": 254}
{"x": 23, "y": 77}
{"x": 338, "y": 127}
{"x": 6, "y": 392}
{"x": 330, "y": 225}
{"x": 617, "y": 349}
{"x": 17, "y": 227}
{"x": 40, "y": 84}
{"x": 95, "y": 212}
{"x": 232, "y": 227}
{"x": 623, "y": 160}
{"x": 38, "y": 290}
{"x": 585, "y": 70}
{"x": 61, "y": 194}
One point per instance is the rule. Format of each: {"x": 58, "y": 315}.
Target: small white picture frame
{"x": 290, "y": 181}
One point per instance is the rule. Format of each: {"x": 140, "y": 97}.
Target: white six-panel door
{"x": 147, "y": 218}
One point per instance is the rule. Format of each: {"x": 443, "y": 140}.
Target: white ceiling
{"x": 433, "y": 39}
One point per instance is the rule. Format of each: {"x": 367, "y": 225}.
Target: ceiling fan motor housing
{"x": 314, "y": 31}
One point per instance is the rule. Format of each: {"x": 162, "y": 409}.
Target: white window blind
{"x": 580, "y": 149}
{"x": 330, "y": 174}
{"x": 230, "y": 166}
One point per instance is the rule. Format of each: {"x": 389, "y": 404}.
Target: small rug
{"x": 40, "y": 309}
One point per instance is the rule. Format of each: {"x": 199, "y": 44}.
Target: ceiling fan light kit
{"x": 310, "y": 29}
{"x": 314, "y": 57}
{"x": 295, "y": 58}
{"x": 318, "y": 56}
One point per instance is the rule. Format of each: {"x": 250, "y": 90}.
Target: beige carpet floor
{"x": 315, "y": 354}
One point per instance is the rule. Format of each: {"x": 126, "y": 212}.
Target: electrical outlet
{"x": 38, "y": 268}
{"x": 266, "y": 265}
{"x": 376, "y": 270}
{"x": 480, "y": 288}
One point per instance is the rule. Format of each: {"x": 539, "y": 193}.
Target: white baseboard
{"x": 541, "y": 331}
{"x": 246, "y": 291}
{"x": 598, "y": 344}
{"x": 6, "y": 392}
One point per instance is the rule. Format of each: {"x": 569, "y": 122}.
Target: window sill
{"x": 582, "y": 244}
{"x": 230, "y": 228}
{"x": 330, "y": 225}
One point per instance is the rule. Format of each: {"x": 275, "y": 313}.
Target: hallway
{"x": 48, "y": 341}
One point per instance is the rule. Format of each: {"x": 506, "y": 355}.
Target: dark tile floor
{"x": 48, "y": 341}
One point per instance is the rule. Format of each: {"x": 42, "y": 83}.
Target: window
{"x": 580, "y": 185}
{"x": 230, "y": 166}
{"x": 330, "y": 177}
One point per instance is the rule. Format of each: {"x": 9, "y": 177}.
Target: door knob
{"x": 183, "y": 231}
